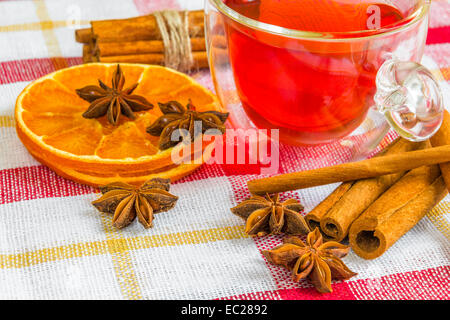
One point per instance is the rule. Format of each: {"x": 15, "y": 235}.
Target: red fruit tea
{"x": 313, "y": 90}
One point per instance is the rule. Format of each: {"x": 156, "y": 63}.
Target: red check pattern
{"x": 27, "y": 186}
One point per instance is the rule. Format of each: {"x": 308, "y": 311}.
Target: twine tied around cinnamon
{"x": 174, "y": 28}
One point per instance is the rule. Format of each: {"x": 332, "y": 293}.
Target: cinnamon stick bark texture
{"x": 106, "y": 49}
{"x": 336, "y": 222}
{"x": 200, "y": 59}
{"x": 141, "y": 28}
{"x": 362, "y": 194}
{"x": 441, "y": 138}
{"x": 84, "y": 35}
{"x": 370, "y": 168}
{"x": 398, "y": 210}
{"x": 87, "y": 53}
{"x": 316, "y": 215}
{"x": 139, "y": 40}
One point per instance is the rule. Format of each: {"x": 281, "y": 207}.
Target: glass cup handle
{"x": 410, "y": 98}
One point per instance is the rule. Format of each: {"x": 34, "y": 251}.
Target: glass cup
{"x": 318, "y": 87}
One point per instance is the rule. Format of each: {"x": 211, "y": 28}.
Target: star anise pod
{"x": 126, "y": 201}
{"x": 267, "y": 215}
{"x": 113, "y": 101}
{"x": 320, "y": 262}
{"x": 176, "y": 117}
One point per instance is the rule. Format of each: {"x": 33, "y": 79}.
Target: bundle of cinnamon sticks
{"x": 137, "y": 40}
{"x": 380, "y": 199}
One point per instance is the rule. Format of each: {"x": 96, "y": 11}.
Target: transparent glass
{"x": 318, "y": 87}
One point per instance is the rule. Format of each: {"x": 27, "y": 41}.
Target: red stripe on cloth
{"x": 30, "y": 69}
{"x": 36, "y": 182}
{"x": 341, "y": 291}
{"x": 428, "y": 284}
{"x": 438, "y": 35}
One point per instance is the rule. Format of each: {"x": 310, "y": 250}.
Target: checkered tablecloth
{"x": 54, "y": 244}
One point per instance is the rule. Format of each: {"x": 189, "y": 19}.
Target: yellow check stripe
{"x": 51, "y": 41}
{"x": 437, "y": 217}
{"x": 7, "y": 121}
{"x": 117, "y": 245}
{"x": 186, "y": 238}
{"x": 35, "y": 26}
{"x": 27, "y": 259}
{"x": 121, "y": 258}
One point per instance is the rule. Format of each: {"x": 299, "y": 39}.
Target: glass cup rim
{"x": 419, "y": 14}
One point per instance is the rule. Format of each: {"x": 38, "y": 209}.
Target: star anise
{"x": 126, "y": 201}
{"x": 267, "y": 215}
{"x": 318, "y": 261}
{"x": 176, "y": 117}
{"x": 113, "y": 101}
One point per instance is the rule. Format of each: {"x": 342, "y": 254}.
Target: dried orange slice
{"x": 49, "y": 122}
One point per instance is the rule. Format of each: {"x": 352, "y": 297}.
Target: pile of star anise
{"x": 114, "y": 101}
{"x": 318, "y": 261}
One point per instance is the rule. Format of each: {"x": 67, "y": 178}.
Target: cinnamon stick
{"x": 87, "y": 53}
{"x": 200, "y": 59}
{"x": 370, "y": 168}
{"x": 396, "y": 211}
{"x": 314, "y": 217}
{"x": 337, "y": 221}
{"x": 141, "y": 28}
{"x": 84, "y": 35}
{"x": 106, "y": 49}
{"x": 441, "y": 138}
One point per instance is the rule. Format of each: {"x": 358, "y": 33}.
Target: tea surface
{"x": 320, "y": 15}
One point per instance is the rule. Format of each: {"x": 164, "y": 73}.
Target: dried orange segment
{"x": 108, "y": 128}
{"x": 154, "y": 99}
{"x": 76, "y": 78}
{"x": 159, "y": 81}
{"x": 49, "y": 124}
{"x": 50, "y": 96}
{"x": 144, "y": 121}
{"x": 78, "y": 141}
{"x": 125, "y": 142}
{"x": 199, "y": 96}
